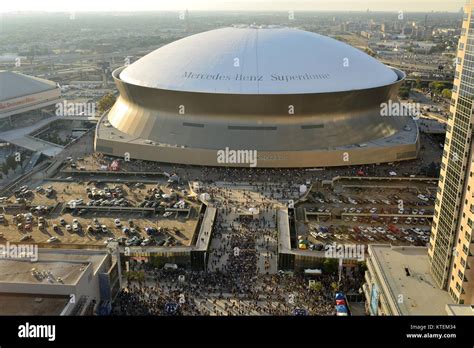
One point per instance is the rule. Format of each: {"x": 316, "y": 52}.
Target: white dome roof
{"x": 258, "y": 61}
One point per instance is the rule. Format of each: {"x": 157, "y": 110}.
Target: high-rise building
{"x": 451, "y": 247}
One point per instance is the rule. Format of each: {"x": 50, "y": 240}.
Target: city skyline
{"x": 242, "y": 5}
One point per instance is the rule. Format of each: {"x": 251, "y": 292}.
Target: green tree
{"x": 437, "y": 87}
{"x": 11, "y": 163}
{"x": 4, "y": 169}
{"x": 330, "y": 266}
{"x": 418, "y": 83}
{"x": 404, "y": 92}
{"x": 317, "y": 286}
{"x": 370, "y": 52}
{"x": 140, "y": 277}
{"x": 106, "y": 102}
{"x": 447, "y": 93}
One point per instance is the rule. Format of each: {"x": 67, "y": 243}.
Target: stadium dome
{"x": 258, "y": 61}
{"x": 296, "y": 98}
{"x": 23, "y": 96}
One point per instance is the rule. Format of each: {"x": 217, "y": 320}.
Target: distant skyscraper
{"x": 188, "y": 25}
{"x": 451, "y": 247}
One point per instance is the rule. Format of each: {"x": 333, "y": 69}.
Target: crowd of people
{"x": 272, "y": 175}
{"x": 242, "y": 275}
{"x": 260, "y": 193}
{"x": 233, "y": 283}
{"x": 217, "y": 293}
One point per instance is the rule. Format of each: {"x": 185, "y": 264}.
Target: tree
{"x": 317, "y": 286}
{"x": 11, "y": 162}
{"x": 330, "y": 265}
{"x": 4, "y": 169}
{"x": 137, "y": 276}
{"x": 437, "y": 87}
{"x": 370, "y": 52}
{"x": 140, "y": 277}
{"x": 106, "y": 102}
{"x": 418, "y": 83}
{"x": 446, "y": 93}
{"x": 403, "y": 93}
{"x": 362, "y": 266}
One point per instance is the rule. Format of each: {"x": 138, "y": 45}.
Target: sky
{"x": 222, "y": 5}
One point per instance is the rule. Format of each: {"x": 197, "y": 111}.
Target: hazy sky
{"x": 276, "y": 5}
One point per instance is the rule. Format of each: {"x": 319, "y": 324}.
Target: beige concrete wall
{"x": 463, "y": 242}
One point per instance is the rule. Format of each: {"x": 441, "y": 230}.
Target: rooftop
{"x": 206, "y": 229}
{"x": 32, "y": 304}
{"x": 256, "y": 60}
{"x": 406, "y": 272}
{"x": 455, "y": 309}
{"x": 14, "y": 85}
{"x": 283, "y": 223}
{"x": 65, "y": 264}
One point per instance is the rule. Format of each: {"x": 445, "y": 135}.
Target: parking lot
{"x": 398, "y": 212}
{"x": 75, "y": 212}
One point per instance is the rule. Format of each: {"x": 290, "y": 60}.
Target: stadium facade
{"x": 294, "y": 98}
{"x": 23, "y": 96}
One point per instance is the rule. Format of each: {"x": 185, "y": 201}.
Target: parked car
{"x": 151, "y": 231}
{"x": 52, "y": 239}
{"x": 146, "y": 242}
